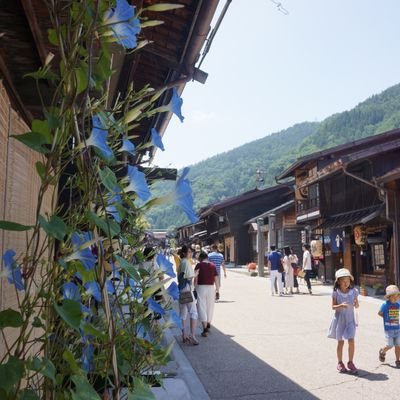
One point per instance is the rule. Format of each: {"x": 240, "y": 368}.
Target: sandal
{"x": 382, "y": 355}
{"x": 185, "y": 339}
{"x": 193, "y": 341}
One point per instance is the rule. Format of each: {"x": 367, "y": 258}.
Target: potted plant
{"x": 363, "y": 290}
{"x": 379, "y": 290}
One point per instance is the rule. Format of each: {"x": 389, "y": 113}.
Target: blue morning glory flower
{"x": 127, "y": 146}
{"x": 173, "y": 290}
{"x": 175, "y": 318}
{"x": 111, "y": 209}
{"x": 154, "y": 306}
{"x": 137, "y": 183}
{"x": 110, "y": 287}
{"x": 176, "y": 104}
{"x": 142, "y": 332}
{"x": 70, "y": 291}
{"x": 85, "y": 256}
{"x": 87, "y": 354}
{"x": 124, "y": 26}
{"x": 13, "y": 271}
{"x": 165, "y": 265}
{"x": 93, "y": 289}
{"x": 115, "y": 275}
{"x": 184, "y": 197}
{"x": 156, "y": 139}
{"x": 98, "y": 138}
{"x": 136, "y": 290}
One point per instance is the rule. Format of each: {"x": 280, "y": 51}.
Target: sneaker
{"x": 205, "y": 332}
{"x": 397, "y": 363}
{"x": 352, "y": 368}
{"x": 341, "y": 368}
{"x": 382, "y": 355}
{"x": 208, "y": 325}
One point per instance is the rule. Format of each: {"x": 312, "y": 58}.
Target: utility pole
{"x": 260, "y": 246}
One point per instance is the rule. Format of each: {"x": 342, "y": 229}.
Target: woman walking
{"x": 294, "y": 262}
{"x": 289, "y": 273}
{"x": 186, "y": 285}
{"x": 307, "y": 267}
{"x": 206, "y": 279}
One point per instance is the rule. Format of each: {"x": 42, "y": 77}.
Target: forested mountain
{"x": 234, "y": 172}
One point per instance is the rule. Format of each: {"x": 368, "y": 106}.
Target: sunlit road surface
{"x": 271, "y": 347}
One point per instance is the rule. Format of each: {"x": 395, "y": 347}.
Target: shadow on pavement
{"x": 229, "y": 371}
{"x": 371, "y": 376}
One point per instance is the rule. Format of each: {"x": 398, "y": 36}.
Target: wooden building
{"x": 279, "y": 228}
{"x": 225, "y": 221}
{"x": 347, "y": 199}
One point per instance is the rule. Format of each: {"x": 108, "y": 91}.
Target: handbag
{"x": 301, "y": 273}
{"x": 280, "y": 266}
{"x": 185, "y": 297}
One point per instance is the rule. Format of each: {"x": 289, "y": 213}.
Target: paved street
{"x": 270, "y": 347}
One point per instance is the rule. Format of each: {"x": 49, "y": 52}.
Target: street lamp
{"x": 260, "y": 177}
{"x": 260, "y": 247}
{"x": 271, "y": 230}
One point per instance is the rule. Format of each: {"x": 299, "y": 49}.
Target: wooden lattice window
{"x": 378, "y": 256}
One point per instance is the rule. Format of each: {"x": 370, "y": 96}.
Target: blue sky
{"x": 268, "y": 71}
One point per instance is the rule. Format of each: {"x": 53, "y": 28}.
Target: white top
{"x": 286, "y": 264}
{"x": 307, "y": 260}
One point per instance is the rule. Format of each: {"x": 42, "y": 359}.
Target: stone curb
{"x": 187, "y": 384}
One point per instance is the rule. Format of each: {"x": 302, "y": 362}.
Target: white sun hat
{"x": 342, "y": 273}
{"x": 391, "y": 290}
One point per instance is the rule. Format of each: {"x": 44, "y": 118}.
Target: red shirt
{"x": 207, "y": 273}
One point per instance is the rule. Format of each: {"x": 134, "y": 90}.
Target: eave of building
{"x": 349, "y": 151}
{"x": 242, "y": 198}
{"x": 276, "y": 210}
{"x": 169, "y": 61}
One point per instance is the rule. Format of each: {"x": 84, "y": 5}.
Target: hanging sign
{"x": 316, "y": 248}
{"x": 360, "y": 235}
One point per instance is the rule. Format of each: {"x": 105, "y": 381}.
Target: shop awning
{"x": 361, "y": 216}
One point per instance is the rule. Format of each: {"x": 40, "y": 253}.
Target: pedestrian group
{"x": 199, "y": 282}
{"x": 284, "y": 274}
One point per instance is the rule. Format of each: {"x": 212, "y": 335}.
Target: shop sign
{"x": 316, "y": 248}
{"x": 360, "y": 235}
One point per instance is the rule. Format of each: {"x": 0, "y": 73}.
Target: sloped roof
{"x": 282, "y": 207}
{"x": 243, "y": 197}
{"x": 351, "y": 151}
{"x": 169, "y": 60}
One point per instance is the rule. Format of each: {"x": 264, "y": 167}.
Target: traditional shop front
{"x": 347, "y": 201}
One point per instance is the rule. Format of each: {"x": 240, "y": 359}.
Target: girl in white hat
{"x": 390, "y": 312}
{"x": 343, "y": 325}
